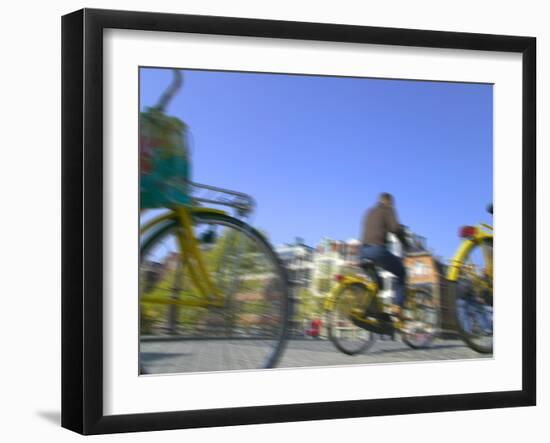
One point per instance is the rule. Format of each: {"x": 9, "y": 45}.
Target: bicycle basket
{"x": 164, "y": 160}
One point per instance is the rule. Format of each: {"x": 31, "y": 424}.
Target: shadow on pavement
{"x": 405, "y": 348}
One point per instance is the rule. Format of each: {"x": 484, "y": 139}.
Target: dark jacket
{"x": 378, "y": 221}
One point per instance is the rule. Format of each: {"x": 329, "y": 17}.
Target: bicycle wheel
{"x": 474, "y": 299}
{"x": 342, "y": 331}
{"x": 422, "y": 324}
{"x": 247, "y": 331}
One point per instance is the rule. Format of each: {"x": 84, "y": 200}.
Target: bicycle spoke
{"x": 343, "y": 332}
{"x": 246, "y": 330}
{"x": 474, "y": 313}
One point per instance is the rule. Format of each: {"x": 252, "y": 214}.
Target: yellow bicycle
{"x": 355, "y": 313}
{"x": 214, "y": 282}
{"x": 471, "y": 271}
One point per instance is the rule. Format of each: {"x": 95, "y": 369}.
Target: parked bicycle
{"x": 206, "y": 276}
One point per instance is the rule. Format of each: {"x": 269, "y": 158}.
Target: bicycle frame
{"x": 373, "y": 290}
{"x": 372, "y": 293}
{"x": 191, "y": 257}
{"x": 481, "y": 234}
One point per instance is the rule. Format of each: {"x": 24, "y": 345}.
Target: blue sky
{"x": 316, "y": 151}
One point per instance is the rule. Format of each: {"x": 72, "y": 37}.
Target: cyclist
{"x": 380, "y": 220}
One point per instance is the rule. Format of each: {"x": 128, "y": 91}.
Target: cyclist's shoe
{"x": 396, "y": 311}
{"x": 399, "y": 317}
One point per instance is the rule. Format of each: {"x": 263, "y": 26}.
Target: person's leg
{"x": 386, "y": 260}
{"x": 393, "y": 264}
{"x": 374, "y": 253}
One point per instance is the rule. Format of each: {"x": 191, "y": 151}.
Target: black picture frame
{"x": 82, "y": 220}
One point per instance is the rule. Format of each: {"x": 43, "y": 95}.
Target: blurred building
{"x": 426, "y": 270}
{"x": 331, "y": 258}
{"x": 297, "y": 258}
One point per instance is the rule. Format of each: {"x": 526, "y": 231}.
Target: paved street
{"x": 173, "y": 356}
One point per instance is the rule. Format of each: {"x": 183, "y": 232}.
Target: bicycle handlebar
{"x": 169, "y": 94}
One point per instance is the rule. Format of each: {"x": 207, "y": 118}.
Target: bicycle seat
{"x": 367, "y": 263}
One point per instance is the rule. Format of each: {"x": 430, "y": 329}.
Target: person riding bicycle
{"x": 380, "y": 220}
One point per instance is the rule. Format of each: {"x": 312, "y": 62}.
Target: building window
{"x": 419, "y": 268}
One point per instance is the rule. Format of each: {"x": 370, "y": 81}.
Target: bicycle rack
{"x": 242, "y": 203}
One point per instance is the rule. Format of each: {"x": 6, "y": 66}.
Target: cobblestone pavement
{"x": 173, "y": 356}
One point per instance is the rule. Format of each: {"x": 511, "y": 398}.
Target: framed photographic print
{"x": 268, "y": 221}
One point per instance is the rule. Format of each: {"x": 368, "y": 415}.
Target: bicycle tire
{"x": 339, "y": 315}
{"x": 482, "y": 344}
{"x": 278, "y": 341}
{"x": 427, "y": 313}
